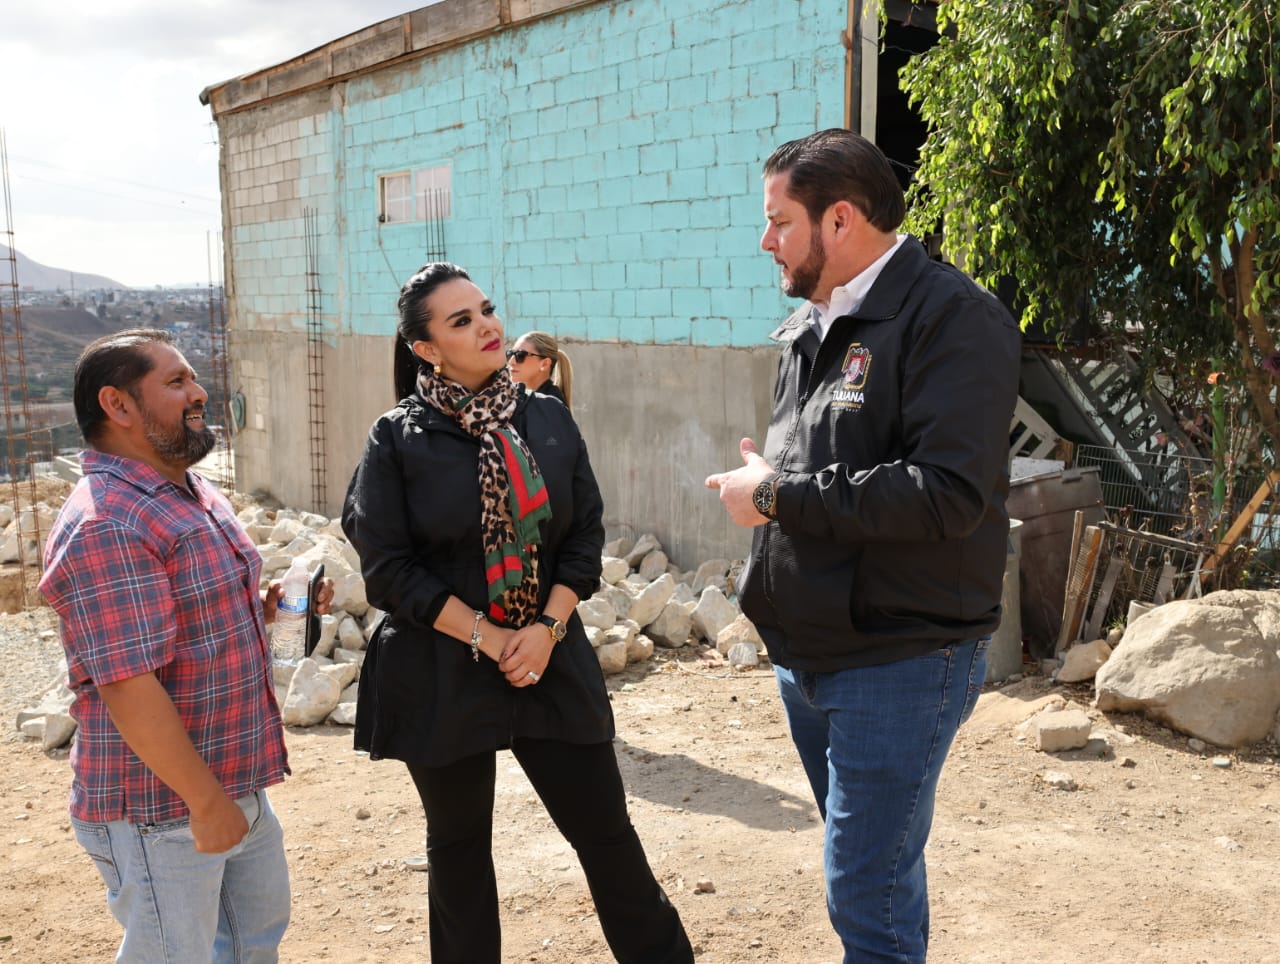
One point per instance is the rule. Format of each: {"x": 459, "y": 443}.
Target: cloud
{"x": 113, "y": 160}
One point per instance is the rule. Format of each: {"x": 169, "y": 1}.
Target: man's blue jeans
{"x": 181, "y": 906}
{"x": 872, "y": 742}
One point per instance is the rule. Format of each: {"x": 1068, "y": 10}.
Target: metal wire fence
{"x": 1170, "y": 494}
{"x": 1128, "y": 566}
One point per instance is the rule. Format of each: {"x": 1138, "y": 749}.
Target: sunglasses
{"x": 520, "y": 354}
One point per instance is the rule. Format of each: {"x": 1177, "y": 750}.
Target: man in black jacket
{"x": 880, "y": 525}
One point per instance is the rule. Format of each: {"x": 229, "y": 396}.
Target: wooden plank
{"x": 1114, "y": 566}
{"x": 1243, "y": 521}
{"x": 1077, "y": 533}
{"x": 1079, "y": 582}
{"x": 1031, "y": 427}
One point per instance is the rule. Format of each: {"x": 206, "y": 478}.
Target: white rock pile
{"x": 643, "y": 601}
{"x": 49, "y": 720}
{"x": 24, "y": 531}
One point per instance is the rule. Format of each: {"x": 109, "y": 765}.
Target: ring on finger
{"x": 533, "y": 676}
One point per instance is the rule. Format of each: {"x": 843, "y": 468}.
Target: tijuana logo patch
{"x": 857, "y": 363}
{"x": 848, "y": 395}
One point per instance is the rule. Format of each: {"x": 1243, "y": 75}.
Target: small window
{"x": 433, "y": 189}
{"x": 397, "y": 198}
{"x": 422, "y": 195}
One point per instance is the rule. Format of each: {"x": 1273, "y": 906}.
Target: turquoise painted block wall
{"x": 605, "y": 171}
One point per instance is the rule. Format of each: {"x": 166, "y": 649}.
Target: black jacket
{"x": 412, "y": 512}
{"x": 891, "y": 531}
{"x": 551, "y": 389}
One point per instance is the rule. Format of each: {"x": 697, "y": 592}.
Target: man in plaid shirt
{"x": 164, "y": 627}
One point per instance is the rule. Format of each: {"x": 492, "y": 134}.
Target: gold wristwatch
{"x": 558, "y": 629}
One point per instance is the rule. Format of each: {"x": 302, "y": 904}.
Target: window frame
{"x": 402, "y": 195}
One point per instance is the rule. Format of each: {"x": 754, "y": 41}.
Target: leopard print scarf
{"x": 509, "y": 513}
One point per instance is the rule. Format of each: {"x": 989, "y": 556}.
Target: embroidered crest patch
{"x": 857, "y": 363}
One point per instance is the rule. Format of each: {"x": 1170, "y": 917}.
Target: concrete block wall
{"x": 605, "y": 187}
{"x": 278, "y": 162}
{"x": 605, "y": 163}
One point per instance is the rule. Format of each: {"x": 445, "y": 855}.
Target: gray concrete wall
{"x": 657, "y": 420}
{"x": 273, "y": 451}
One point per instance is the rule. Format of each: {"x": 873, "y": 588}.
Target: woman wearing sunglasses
{"x": 536, "y": 362}
{"x": 478, "y": 523}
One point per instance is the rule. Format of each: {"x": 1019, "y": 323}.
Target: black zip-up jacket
{"x": 891, "y": 531}
{"x": 412, "y": 512}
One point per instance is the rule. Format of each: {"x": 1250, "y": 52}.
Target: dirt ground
{"x": 1160, "y": 855}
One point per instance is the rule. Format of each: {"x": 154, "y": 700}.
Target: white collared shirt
{"x": 848, "y": 298}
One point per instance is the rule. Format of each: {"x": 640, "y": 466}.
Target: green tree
{"x": 1120, "y": 152}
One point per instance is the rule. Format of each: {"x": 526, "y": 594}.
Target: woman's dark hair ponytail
{"x": 405, "y": 369}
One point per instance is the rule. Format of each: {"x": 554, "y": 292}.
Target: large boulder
{"x": 313, "y": 695}
{"x": 710, "y": 573}
{"x": 618, "y": 548}
{"x": 713, "y": 613}
{"x": 612, "y": 655}
{"x": 348, "y": 593}
{"x": 286, "y": 529}
{"x": 598, "y": 612}
{"x": 613, "y": 569}
{"x": 650, "y": 601}
{"x": 619, "y": 598}
{"x": 622, "y": 632}
{"x": 646, "y": 544}
{"x": 24, "y": 538}
{"x": 671, "y": 628}
{"x": 741, "y": 630}
{"x": 1207, "y": 667}
{"x": 328, "y": 635}
{"x": 639, "y": 648}
{"x": 1082, "y": 661}
{"x": 653, "y": 565}
{"x": 350, "y": 635}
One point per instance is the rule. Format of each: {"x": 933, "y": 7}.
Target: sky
{"x": 113, "y": 160}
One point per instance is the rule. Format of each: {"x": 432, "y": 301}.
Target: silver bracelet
{"x": 476, "y": 637}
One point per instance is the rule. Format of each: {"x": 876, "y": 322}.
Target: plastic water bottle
{"x": 288, "y": 638}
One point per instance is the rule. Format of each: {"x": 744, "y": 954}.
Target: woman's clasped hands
{"x": 525, "y": 653}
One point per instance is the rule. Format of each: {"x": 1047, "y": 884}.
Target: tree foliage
{"x": 1119, "y": 150}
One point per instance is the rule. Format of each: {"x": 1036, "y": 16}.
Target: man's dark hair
{"x": 118, "y": 360}
{"x": 839, "y": 165}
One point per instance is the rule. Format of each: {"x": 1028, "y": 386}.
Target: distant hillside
{"x": 32, "y": 274}
{"x": 53, "y": 338}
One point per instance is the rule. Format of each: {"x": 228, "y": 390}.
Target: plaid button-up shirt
{"x": 150, "y": 577}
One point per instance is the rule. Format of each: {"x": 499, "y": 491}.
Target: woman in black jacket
{"x": 478, "y": 523}
{"x": 537, "y": 362}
